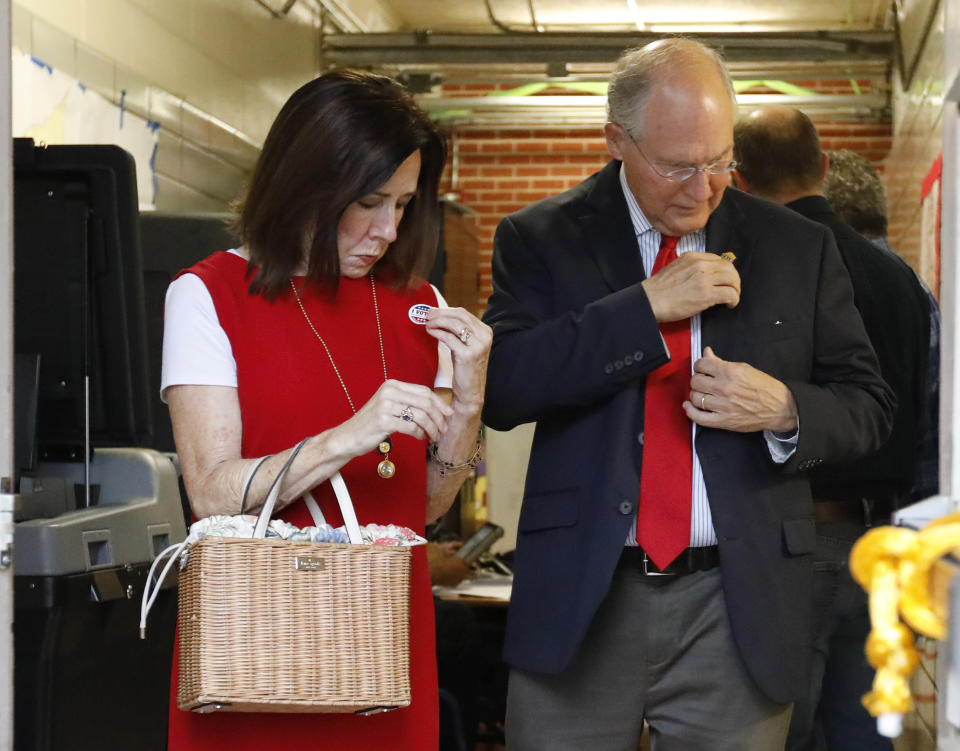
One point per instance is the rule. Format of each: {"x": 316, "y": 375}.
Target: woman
{"x": 320, "y": 325}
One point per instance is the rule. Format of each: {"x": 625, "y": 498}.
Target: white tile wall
{"x": 917, "y": 141}
{"x": 213, "y": 73}
{"x": 95, "y": 71}
{"x": 54, "y": 47}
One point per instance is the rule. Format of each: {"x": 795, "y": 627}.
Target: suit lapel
{"x": 609, "y": 233}
{"x": 722, "y": 236}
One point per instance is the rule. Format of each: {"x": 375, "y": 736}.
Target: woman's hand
{"x": 397, "y": 407}
{"x": 469, "y": 341}
{"x": 446, "y": 569}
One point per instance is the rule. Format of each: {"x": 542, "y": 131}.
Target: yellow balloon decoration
{"x": 893, "y": 565}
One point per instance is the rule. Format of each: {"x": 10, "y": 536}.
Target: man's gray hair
{"x": 855, "y": 192}
{"x": 638, "y": 69}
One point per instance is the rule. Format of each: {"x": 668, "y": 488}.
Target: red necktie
{"x": 666, "y": 473}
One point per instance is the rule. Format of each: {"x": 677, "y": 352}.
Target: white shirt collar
{"x": 639, "y": 220}
{"x": 641, "y": 224}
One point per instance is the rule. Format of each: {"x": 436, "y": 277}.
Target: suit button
{"x": 640, "y": 438}
{"x": 637, "y": 356}
{"x": 608, "y": 368}
{"x": 625, "y": 507}
{"x": 618, "y": 364}
{"x": 628, "y": 360}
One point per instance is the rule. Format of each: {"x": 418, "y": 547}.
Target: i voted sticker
{"x": 418, "y": 313}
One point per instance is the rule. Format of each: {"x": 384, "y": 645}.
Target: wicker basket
{"x": 269, "y": 625}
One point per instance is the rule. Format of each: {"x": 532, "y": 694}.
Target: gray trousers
{"x": 660, "y": 650}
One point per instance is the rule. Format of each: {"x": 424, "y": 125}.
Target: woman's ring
{"x": 703, "y": 398}
{"x": 406, "y": 413}
{"x": 464, "y": 335}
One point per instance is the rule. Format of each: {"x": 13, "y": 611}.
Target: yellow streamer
{"x": 893, "y": 565}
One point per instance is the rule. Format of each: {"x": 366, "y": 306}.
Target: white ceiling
{"x": 511, "y": 43}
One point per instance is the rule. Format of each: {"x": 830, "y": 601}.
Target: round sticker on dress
{"x": 418, "y": 313}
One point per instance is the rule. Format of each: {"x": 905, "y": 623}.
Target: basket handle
{"x": 339, "y": 488}
{"x": 312, "y": 506}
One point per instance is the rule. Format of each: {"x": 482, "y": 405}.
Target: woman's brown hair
{"x": 338, "y": 138}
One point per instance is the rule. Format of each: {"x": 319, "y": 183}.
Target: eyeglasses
{"x": 682, "y": 174}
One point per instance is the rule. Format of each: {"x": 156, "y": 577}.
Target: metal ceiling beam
{"x": 425, "y": 47}
{"x": 875, "y": 72}
{"x": 491, "y": 103}
{"x": 601, "y": 71}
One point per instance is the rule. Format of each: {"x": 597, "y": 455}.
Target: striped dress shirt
{"x": 781, "y": 447}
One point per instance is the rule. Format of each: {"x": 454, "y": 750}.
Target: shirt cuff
{"x": 782, "y": 445}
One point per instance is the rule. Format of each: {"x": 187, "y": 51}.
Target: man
{"x": 854, "y": 191}
{"x": 712, "y": 653}
{"x": 778, "y": 157}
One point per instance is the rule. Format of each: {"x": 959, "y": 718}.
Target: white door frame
{"x": 7, "y": 489}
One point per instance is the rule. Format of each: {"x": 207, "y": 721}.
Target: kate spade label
{"x": 309, "y": 563}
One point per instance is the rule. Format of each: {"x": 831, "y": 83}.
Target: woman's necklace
{"x": 386, "y": 468}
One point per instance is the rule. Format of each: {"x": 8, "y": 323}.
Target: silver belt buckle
{"x": 646, "y": 568}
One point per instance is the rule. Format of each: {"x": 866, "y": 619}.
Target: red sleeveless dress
{"x": 288, "y": 390}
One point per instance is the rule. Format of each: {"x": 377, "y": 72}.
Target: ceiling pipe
{"x": 586, "y": 101}
{"x": 519, "y": 47}
{"x": 496, "y": 21}
{"x": 637, "y": 17}
{"x": 492, "y": 74}
{"x": 279, "y": 14}
{"x": 533, "y": 17}
{"x": 506, "y": 28}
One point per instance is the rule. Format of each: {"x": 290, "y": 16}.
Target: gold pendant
{"x": 386, "y": 469}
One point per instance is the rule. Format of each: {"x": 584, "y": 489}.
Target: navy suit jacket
{"x": 574, "y": 337}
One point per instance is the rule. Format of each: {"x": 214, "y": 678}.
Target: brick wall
{"x": 500, "y": 171}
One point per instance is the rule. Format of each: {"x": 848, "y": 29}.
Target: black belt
{"x": 689, "y": 561}
{"x": 865, "y": 511}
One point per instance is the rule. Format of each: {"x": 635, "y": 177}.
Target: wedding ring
{"x": 464, "y": 335}
{"x": 406, "y": 414}
{"x": 703, "y": 398}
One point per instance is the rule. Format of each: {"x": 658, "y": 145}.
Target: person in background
{"x": 854, "y": 191}
{"x": 689, "y": 353}
{"x": 778, "y": 157}
{"x": 447, "y": 569}
{"x": 319, "y": 325}
{"x": 459, "y": 653}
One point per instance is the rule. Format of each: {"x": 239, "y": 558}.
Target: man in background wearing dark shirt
{"x": 855, "y": 193}
{"x": 778, "y": 156}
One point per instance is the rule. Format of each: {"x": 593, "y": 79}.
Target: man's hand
{"x": 736, "y": 396}
{"x": 691, "y": 284}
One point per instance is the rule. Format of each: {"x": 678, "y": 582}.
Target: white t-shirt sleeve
{"x": 444, "y": 379}
{"x": 196, "y": 350}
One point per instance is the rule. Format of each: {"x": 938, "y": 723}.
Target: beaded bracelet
{"x": 449, "y": 468}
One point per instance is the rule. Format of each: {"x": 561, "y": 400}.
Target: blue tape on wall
{"x": 37, "y": 61}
